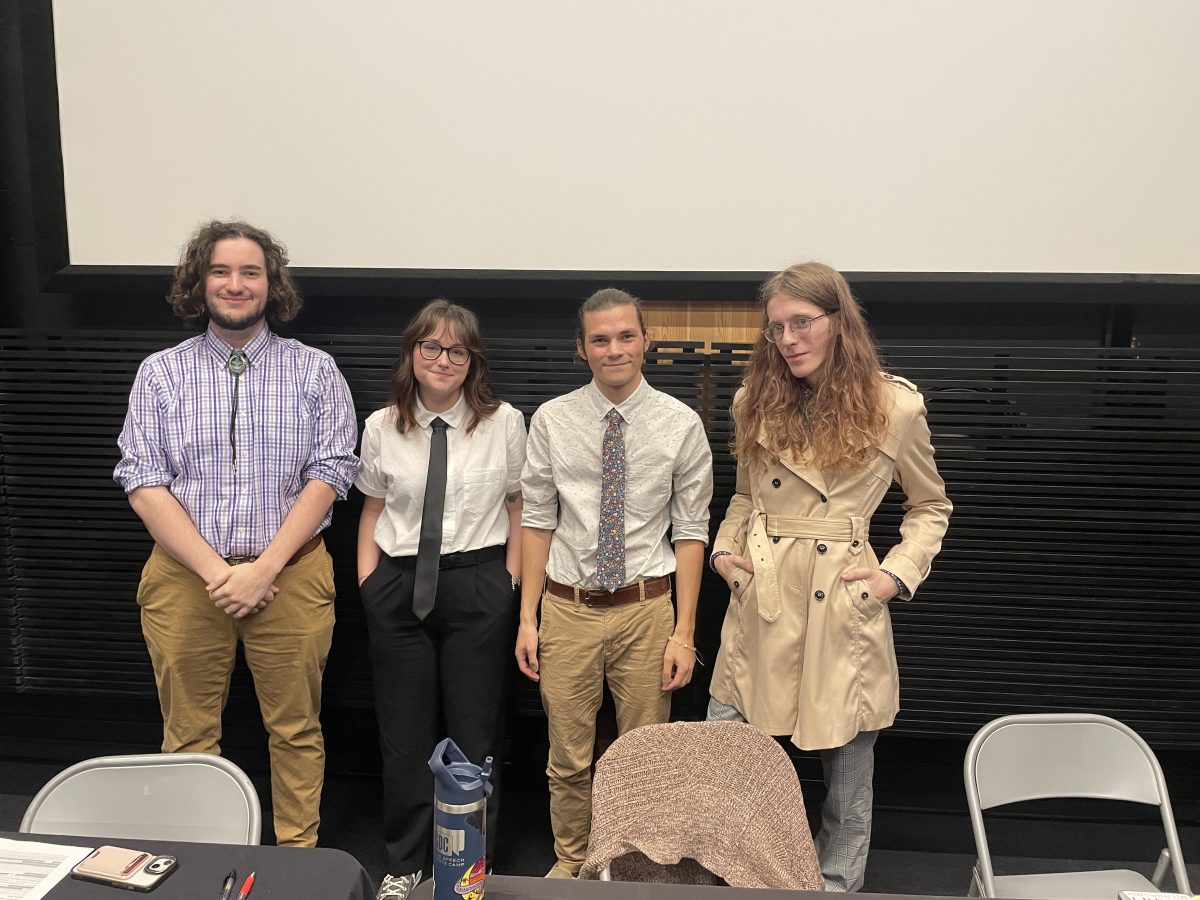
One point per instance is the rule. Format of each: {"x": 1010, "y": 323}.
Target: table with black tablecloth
{"x": 508, "y": 887}
{"x": 283, "y": 873}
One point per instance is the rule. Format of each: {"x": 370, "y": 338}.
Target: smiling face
{"x": 439, "y": 381}
{"x": 235, "y": 290}
{"x": 614, "y": 347}
{"x": 805, "y": 354}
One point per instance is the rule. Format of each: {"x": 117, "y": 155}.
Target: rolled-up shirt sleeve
{"x": 539, "y": 495}
{"x": 515, "y": 440}
{"x": 335, "y": 432}
{"x": 144, "y": 460}
{"x": 692, "y": 486}
{"x": 371, "y": 480}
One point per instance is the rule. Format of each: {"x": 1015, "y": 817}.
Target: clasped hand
{"x": 242, "y": 590}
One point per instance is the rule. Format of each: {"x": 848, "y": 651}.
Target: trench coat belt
{"x": 852, "y": 530}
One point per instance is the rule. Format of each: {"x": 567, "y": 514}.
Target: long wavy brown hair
{"x": 835, "y": 426}
{"x": 187, "y": 289}
{"x": 478, "y": 385}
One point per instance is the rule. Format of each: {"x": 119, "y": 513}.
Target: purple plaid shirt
{"x": 295, "y": 422}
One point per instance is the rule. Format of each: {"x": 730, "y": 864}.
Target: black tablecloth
{"x": 508, "y": 887}
{"x": 283, "y": 873}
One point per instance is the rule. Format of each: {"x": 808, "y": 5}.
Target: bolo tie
{"x": 236, "y": 365}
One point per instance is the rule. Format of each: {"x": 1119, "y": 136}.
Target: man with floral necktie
{"x": 615, "y": 472}
{"x": 236, "y": 444}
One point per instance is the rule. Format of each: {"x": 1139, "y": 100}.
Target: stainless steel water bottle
{"x": 460, "y": 792}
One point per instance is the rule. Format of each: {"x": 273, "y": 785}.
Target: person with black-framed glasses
{"x": 439, "y": 554}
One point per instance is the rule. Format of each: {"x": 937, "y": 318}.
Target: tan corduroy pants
{"x": 579, "y": 647}
{"x": 193, "y": 644}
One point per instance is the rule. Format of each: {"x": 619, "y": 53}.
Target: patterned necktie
{"x": 610, "y": 548}
{"x": 236, "y": 365}
{"x": 429, "y": 547}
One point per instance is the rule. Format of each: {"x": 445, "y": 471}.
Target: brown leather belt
{"x": 631, "y": 593}
{"x": 308, "y": 548}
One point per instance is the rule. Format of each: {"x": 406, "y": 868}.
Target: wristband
{"x": 712, "y": 559}
{"x": 904, "y": 591}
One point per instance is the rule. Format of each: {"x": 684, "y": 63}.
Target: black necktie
{"x": 429, "y": 550}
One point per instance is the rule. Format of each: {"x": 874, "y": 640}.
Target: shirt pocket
{"x": 483, "y": 490}
{"x": 651, "y": 488}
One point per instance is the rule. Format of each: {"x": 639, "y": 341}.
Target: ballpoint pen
{"x": 227, "y": 886}
{"x": 246, "y": 885}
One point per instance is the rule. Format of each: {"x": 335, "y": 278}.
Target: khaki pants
{"x": 579, "y": 647}
{"x": 193, "y": 645}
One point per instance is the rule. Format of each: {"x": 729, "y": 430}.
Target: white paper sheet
{"x": 28, "y": 870}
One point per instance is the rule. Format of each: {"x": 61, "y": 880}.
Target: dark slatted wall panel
{"x": 1067, "y": 580}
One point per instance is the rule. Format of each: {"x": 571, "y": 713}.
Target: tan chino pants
{"x": 193, "y": 645}
{"x": 579, "y": 647}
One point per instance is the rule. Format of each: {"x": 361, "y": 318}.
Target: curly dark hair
{"x": 187, "y": 289}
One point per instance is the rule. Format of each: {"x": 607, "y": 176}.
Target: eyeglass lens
{"x": 431, "y": 350}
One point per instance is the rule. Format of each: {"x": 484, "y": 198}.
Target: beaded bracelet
{"x": 686, "y": 646}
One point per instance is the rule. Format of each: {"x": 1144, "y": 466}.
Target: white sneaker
{"x": 397, "y": 887}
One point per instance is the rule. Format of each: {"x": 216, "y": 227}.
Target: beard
{"x": 231, "y": 323}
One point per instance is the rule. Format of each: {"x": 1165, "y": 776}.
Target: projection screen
{"x": 1052, "y": 136}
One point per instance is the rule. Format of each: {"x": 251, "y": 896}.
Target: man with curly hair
{"x": 236, "y": 444}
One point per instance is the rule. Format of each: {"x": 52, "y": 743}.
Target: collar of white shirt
{"x": 628, "y": 410}
{"x": 453, "y": 416}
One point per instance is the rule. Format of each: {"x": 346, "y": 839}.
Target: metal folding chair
{"x": 165, "y": 796}
{"x": 1064, "y": 755}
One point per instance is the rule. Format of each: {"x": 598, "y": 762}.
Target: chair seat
{"x": 1101, "y": 885}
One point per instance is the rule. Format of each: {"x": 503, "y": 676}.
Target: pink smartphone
{"x": 135, "y": 870}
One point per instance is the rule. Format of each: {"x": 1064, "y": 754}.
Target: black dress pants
{"x": 446, "y": 676}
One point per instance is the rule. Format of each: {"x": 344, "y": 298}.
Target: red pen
{"x": 246, "y": 885}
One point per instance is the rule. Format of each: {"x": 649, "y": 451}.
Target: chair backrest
{"x": 165, "y": 796}
{"x": 1049, "y": 755}
{"x": 718, "y": 794}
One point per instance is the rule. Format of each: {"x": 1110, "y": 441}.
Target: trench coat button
{"x": 737, "y": 584}
{"x": 821, "y": 548}
{"x": 865, "y": 595}
{"x": 775, "y": 540}
{"x": 854, "y": 543}
{"x": 824, "y": 499}
{"x": 775, "y": 482}
{"x": 820, "y": 595}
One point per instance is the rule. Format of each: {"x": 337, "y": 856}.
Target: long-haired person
{"x": 806, "y": 646}
{"x": 437, "y": 569}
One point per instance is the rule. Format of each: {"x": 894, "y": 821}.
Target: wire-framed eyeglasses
{"x": 796, "y": 326}
{"x": 431, "y": 350}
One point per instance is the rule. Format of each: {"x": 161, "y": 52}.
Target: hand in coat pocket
{"x": 878, "y": 583}
{"x": 728, "y": 568}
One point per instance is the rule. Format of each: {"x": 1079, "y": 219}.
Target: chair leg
{"x": 975, "y": 890}
{"x": 1161, "y": 868}
{"x": 605, "y": 875}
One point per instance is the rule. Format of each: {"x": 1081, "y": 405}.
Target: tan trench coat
{"x": 804, "y": 653}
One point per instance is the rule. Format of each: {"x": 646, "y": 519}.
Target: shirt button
{"x": 775, "y": 540}
{"x": 820, "y": 595}
{"x": 821, "y": 548}
{"x": 775, "y": 482}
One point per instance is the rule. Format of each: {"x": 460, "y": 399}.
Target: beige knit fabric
{"x": 688, "y": 801}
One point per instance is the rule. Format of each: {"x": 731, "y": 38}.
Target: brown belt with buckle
{"x": 308, "y": 548}
{"x": 631, "y": 593}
